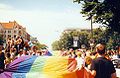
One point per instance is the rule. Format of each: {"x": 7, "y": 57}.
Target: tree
{"x": 113, "y": 41}
{"x": 105, "y": 12}
{"x": 56, "y": 45}
{"x": 103, "y": 35}
{"x": 84, "y": 38}
{"x": 41, "y": 46}
{"x": 66, "y": 39}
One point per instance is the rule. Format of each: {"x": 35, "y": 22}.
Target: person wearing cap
{"x": 102, "y": 67}
{"x": 2, "y": 58}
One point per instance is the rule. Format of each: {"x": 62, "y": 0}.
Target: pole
{"x": 91, "y": 34}
{"x": 91, "y": 28}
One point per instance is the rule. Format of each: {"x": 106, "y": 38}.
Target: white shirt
{"x": 80, "y": 62}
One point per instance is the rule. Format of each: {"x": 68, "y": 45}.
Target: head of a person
{"x": 100, "y": 48}
{"x": 34, "y": 48}
{"x": 39, "y": 52}
{"x": 8, "y": 55}
{"x": 78, "y": 54}
{"x": 88, "y": 60}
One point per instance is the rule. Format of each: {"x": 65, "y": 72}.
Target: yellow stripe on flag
{"x": 56, "y": 67}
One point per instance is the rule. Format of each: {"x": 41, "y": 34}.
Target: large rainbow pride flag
{"x": 43, "y": 67}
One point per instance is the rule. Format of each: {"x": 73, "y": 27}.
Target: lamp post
{"x": 91, "y": 28}
{"x": 92, "y": 40}
{"x": 101, "y": 1}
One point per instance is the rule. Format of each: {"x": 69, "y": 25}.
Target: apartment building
{"x": 12, "y": 30}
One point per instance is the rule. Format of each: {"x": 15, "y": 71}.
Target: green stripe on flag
{"x": 36, "y": 70}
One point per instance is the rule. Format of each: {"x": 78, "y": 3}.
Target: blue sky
{"x": 44, "y": 19}
{"x": 52, "y": 5}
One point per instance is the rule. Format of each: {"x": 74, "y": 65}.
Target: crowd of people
{"x": 15, "y": 48}
{"x": 109, "y": 54}
{"x": 98, "y": 63}
{"x": 94, "y": 62}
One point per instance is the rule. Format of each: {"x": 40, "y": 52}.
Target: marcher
{"x": 8, "y": 59}
{"x": 80, "y": 61}
{"x": 102, "y": 67}
{"x": 88, "y": 61}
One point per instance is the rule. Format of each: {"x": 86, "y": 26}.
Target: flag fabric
{"x": 48, "y": 53}
{"x": 43, "y": 67}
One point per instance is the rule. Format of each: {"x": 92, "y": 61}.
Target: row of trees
{"x": 35, "y": 41}
{"x": 40, "y": 46}
{"x": 111, "y": 39}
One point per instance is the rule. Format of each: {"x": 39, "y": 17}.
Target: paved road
{"x": 118, "y": 72}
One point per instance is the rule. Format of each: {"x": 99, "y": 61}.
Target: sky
{"x": 44, "y": 19}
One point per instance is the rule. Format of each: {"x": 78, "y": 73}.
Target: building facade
{"x": 12, "y": 30}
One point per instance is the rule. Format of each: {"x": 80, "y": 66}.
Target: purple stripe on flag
{"x": 6, "y": 75}
{"x": 12, "y": 67}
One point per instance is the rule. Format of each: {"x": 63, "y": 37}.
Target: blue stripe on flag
{"x": 24, "y": 67}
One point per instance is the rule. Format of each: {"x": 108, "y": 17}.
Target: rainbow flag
{"x": 42, "y": 67}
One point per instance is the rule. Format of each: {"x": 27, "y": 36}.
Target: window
{"x": 9, "y": 36}
{"x": 14, "y": 36}
{"x": 5, "y": 31}
{"x": 20, "y": 32}
{"x": 14, "y": 31}
{"x": 19, "y": 27}
{"x": 9, "y": 31}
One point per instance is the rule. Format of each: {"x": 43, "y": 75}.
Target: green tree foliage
{"x": 99, "y": 35}
{"x": 56, "y": 45}
{"x": 112, "y": 40}
{"x": 40, "y": 46}
{"x": 105, "y": 12}
{"x": 66, "y": 39}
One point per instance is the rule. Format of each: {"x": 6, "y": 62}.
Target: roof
{"x": 9, "y": 25}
